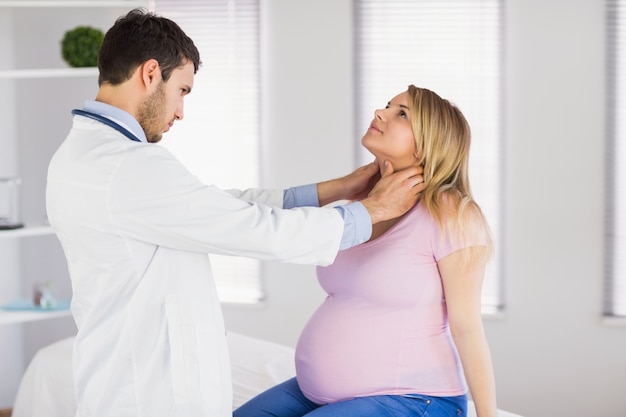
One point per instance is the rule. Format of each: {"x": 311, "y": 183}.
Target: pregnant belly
{"x": 343, "y": 354}
{"x": 349, "y": 350}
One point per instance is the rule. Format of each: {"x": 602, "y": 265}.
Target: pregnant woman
{"x": 400, "y": 332}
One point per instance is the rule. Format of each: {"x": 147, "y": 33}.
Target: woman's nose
{"x": 378, "y": 113}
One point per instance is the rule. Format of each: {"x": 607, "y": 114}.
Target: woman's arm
{"x": 462, "y": 287}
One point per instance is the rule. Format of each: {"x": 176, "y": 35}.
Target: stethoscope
{"x": 108, "y": 122}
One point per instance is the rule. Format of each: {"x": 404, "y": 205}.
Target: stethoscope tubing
{"x": 107, "y": 122}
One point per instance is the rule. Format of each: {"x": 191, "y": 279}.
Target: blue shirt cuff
{"x": 357, "y": 223}
{"x": 301, "y": 196}
{"x": 357, "y": 226}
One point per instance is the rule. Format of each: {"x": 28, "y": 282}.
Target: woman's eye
{"x": 403, "y": 114}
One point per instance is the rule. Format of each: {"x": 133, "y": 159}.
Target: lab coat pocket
{"x": 177, "y": 340}
{"x": 215, "y": 384}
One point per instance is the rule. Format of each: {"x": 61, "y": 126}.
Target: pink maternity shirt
{"x": 383, "y": 327}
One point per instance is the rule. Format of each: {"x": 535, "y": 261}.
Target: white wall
{"x": 308, "y": 136}
{"x": 553, "y": 356}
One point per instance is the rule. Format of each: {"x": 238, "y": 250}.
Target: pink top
{"x": 383, "y": 327}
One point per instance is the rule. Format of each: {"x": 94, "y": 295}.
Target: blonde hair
{"x": 442, "y": 137}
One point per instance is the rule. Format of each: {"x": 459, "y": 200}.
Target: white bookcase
{"x": 13, "y": 317}
{"x": 38, "y": 92}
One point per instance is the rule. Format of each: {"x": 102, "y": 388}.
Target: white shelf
{"x": 13, "y": 317}
{"x": 73, "y": 3}
{"x": 49, "y": 73}
{"x": 27, "y": 231}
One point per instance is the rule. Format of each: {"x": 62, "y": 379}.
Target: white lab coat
{"x": 136, "y": 228}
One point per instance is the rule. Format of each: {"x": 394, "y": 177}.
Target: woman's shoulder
{"x": 453, "y": 206}
{"x": 461, "y": 219}
{"x": 449, "y": 212}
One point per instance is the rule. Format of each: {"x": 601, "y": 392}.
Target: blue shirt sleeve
{"x": 302, "y": 196}
{"x": 357, "y": 223}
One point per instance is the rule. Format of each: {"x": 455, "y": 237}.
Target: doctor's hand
{"x": 354, "y": 186}
{"x": 360, "y": 183}
{"x": 395, "y": 193}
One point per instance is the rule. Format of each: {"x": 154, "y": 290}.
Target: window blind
{"x": 218, "y": 139}
{"x": 455, "y": 49}
{"x": 615, "y": 277}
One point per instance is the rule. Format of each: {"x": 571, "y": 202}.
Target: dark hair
{"x": 139, "y": 36}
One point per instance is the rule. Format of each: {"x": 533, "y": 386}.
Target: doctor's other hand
{"x": 354, "y": 186}
{"x": 395, "y": 193}
{"x": 358, "y": 185}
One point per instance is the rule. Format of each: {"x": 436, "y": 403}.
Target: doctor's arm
{"x": 385, "y": 196}
{"x": 462, "y": 287}
{"x": 376, "y": 198}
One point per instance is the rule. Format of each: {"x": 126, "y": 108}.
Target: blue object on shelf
{"x": 26, "y": 304}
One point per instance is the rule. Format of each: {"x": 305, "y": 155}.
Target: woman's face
{"x": 390, "y": 136}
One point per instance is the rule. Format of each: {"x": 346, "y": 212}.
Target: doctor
{"x": 136, "y": 228}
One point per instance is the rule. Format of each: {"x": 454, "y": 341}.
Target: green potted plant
{"x": 80, "y": 46}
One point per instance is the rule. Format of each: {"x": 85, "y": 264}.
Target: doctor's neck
{"x": 124, "y": 96}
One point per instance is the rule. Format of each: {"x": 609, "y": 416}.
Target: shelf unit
{"x": 14, "y": 317}
{"x": 48, "y": 73}
{"x": 39, "y": 91}
{"x": 78, "y": 3}
{"x": 27, "y": 231}
{"x": 34, "y": 30}
{"x": 65, "y": 6}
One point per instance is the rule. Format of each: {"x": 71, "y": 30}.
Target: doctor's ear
{"x": 151, "y": 72}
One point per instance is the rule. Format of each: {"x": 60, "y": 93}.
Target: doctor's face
{"x": 165, "y": 105}
{"x": 390, "y": 135}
